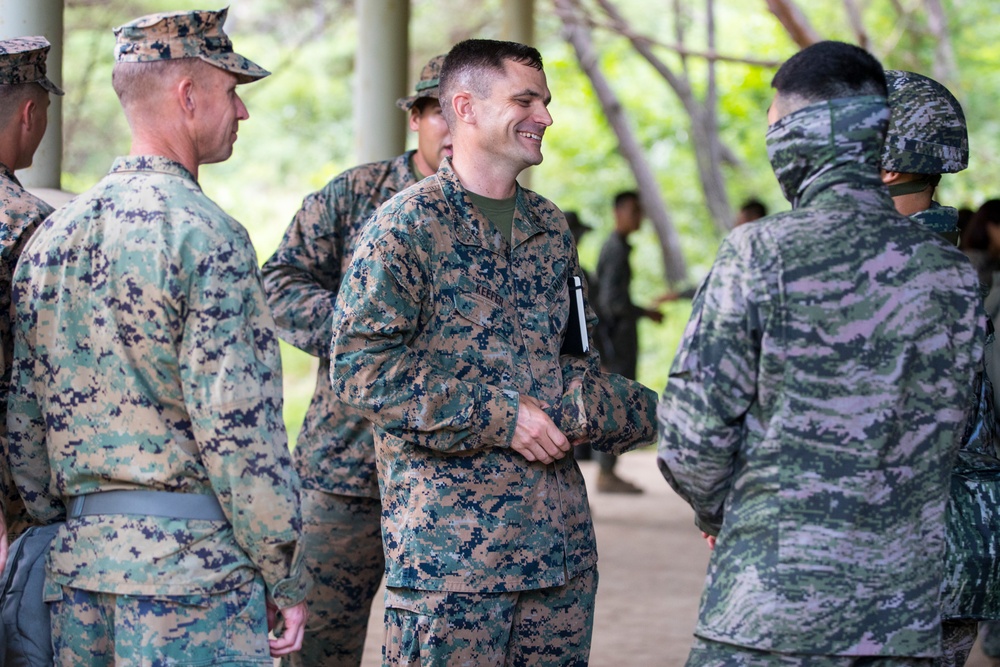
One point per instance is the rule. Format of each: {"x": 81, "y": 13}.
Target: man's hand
{"x": 710, "y": 539}
{"x": 294, "y": 627}
{"x": 654, "y": 315}
{"x": 536, "y": 437}
{"x": 3, "y": 542}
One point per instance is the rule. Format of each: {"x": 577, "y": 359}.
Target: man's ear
{"x": 464, "y": 107}
{"x": 414, "y": 118}
{"x": 186, "y": 94}
{"x": 890, "y": 177}
{"x": 29, "y": 114}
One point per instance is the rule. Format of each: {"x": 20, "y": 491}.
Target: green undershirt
{"x": 413, "y": 168}
{"x": 498, "y": 211}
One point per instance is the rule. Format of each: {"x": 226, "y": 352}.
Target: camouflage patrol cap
{"x": 22, "y": 60}
{"x": 927, "y": 132}
{"x": 191, "y": 34}
{"x": 427, "y": 86}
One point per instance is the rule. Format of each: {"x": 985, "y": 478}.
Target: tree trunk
{"x": 857, "y": 25}
{"x": 708, "y": 148}
{"x": 577, "y": 34}
{"x": 945, "y": 69}
{"x": 795, "y": 22}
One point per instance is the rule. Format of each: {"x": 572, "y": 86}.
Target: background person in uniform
{"x": 334, "y": 454}
{"x": 981, "y": 242}
{"x": 147, "y": 385}
{"x": 619, "y": 334}
{"x": 448, "y": 333}
{"x": 752, "y": 209}
{"x": 927, "y": 137}
{"x": 809, "y": 419}
{"x": 24, "y": 113}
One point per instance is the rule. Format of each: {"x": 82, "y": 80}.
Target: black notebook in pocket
{"x": 576, "y": 341}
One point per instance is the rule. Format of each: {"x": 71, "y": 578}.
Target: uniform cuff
{"x": 291, "y": 591}
{"x": 497, "y": 415}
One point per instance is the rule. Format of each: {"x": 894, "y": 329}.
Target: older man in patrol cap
{"x": 24, "y": 105}
{"x": 146, "y": 390}
{"x": 335, "y": 452}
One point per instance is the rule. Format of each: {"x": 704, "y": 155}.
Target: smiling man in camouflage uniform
{"x": 819, "y": 395}
{"x": 335, "y": 452}
{"x": 146, "y": 390}
{"x": 24, "y": 112}
{"x": 448, "y": 334}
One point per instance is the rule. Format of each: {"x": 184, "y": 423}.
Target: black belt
{"x": 190, "y": 506}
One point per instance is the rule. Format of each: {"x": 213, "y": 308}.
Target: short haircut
{"x": 975, "y": 235}
{"x": 472, "y": 64}
{"x": 422, "y": 103}
{"x": 626, "y": 195}
{"x": 12, "y": 96}
{"x": 754, "y": 208}
{"x": 827, "y": 71}
{"x": 137, "y": 81}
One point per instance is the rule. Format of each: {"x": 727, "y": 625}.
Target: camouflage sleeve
{"x": 303, "y": 275}
{"x": 375, "y": 367}
{"x": 27, "y": 453}
{"x": 230, "y": 370}
{"x": 16, "y": 229}
{"x": 611, "y": 412}
{"x": 711, "y": 386}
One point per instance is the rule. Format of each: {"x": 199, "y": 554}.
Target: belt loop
{"x": 76, "y": 506}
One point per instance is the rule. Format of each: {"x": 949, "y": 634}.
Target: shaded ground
{"x": 652, "y": 564}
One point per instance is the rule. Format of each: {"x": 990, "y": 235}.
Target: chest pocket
{"x": 480, "y": 335}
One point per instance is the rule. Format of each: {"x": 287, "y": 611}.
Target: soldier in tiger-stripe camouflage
{"x": 819, "y": 396}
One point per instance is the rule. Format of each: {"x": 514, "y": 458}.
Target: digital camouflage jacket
{"x": 816, "y": 403}
{"x": 441, "y": 326}
{"x": 20, "y": 213}
{"x": 145, "y": 357}
{"x": 335, "y": 450}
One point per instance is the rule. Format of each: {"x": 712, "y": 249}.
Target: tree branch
{"x": 795, "y": 22}
{"x": 945, "y": 68}
{"x": 578, "y": 35}
{"x": 708, "y": 148}
{"x": 857, "y": 24}
{"x": 710, "y": 54}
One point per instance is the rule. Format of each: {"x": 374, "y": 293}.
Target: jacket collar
{"x": 474, "y": 228}
{"x": 400, "y": 175}
{"x": 153, "y": 163}
{"x": 831, "y": 142}
{"x": 8, "y": 173}
{"x": 940, "y": 219}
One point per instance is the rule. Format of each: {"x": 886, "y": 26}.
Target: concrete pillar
{"x": 519, "y": 21}
{"x": 24, "y": 18}
{"x": 380, "y": 78}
